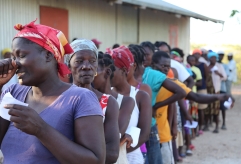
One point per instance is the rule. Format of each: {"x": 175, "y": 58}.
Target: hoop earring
{"x": 96, "y": 74}
{"x": 68, "y": 76}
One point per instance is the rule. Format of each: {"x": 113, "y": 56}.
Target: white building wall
{"x": 154, "y": 26}
{"x": 96, "y": 19}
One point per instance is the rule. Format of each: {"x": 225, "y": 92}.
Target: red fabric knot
{"x": 18, "y": 27}
{"x": 51, "y": 39}
{"x": 122, "y": 57}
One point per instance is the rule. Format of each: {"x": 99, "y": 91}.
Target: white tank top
{"x": 135, "y": 113}
{"x": 134, "y": 157}
{"x": 122, "y": 159}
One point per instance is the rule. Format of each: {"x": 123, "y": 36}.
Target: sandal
{"x": 223, "y": 127}
{"x": 189, "y": 152}
{"x": 205, "y": 129}
{"x": 215, "y": 131}
{"x": 183, "y": 155}
{"x": 192, "y": 147}
{"x": 179, "y": 159}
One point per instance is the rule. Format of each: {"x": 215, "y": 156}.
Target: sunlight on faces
{"x": 34, "y": 62}
{"x": 163, "y": 65}
{"x": 83, "y": 66}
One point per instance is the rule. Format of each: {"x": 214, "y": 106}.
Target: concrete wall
{"x": 155, "y": 26}
{"x": 97, "y": 19}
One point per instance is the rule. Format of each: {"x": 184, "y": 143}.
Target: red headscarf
{"x": 197, "y": 51}
{"x": 50, "y": 39}
{"x": 122, "y": 57}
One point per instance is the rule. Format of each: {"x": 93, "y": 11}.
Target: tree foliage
{"x": 234, "y": 12}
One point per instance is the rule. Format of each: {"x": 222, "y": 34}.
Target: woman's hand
{"x": 26, "y": 119}
{"x": 8, "y": 68}
{"x": 126, "y": 138}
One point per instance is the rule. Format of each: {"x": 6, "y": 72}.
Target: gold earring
{"x": 96, "y": 74}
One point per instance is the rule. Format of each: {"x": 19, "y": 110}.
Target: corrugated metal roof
{"x": 165, "y": 6}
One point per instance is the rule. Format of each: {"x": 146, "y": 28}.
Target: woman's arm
{"x": 112, "y": 137}
{"x": 145, "y": 116}
{"x": 146, "y": 88}
{"x": 183, "y": 109}
{"x": 88, "y": 147}
{"x": 207, "y": 98}
{"x": 190, "y": 82}
{"x": 4, "y": 124}
{"x": 125, "y": 112}
{"x": 174, "y": 123}
{"x": 198, "y": 83}
{"x": 206, "y": 71}
{"x": 178, "y": 93}
{"x": 170, "y": 110}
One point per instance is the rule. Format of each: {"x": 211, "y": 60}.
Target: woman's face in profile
{"x": 32, "y": 62}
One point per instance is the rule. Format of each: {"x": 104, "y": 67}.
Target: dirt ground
{"x": 224, "y": 147}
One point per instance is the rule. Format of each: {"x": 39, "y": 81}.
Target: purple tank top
{"x": 19, "y": 147}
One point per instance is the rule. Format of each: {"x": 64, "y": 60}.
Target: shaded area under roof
{"x": 165, "y": 6}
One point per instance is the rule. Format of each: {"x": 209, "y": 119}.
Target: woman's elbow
{"x": 99, "y": 158}
{"x": 112, "y": 156}
{"x": 181, "y": 94}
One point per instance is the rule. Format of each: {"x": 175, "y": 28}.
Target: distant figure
{"x": 232, "y": 76}
{"x": 97, "y": 43}
{"x": 115, "y": 46}
{"x": 203, "y": 58}
{"x": 223, "y": 88}
{"x": 7, "y": 53}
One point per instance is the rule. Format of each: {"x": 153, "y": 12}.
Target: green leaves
{"x": 234, "y": 12}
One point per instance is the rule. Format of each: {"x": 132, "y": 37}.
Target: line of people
{"x": 125, "y": 106}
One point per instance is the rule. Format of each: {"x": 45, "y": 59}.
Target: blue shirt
{"x": 189, "y": 70}
{"x": 154, "y": 79}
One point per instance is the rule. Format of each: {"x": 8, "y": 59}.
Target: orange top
{"x": 170, "y": 74}
{"x": 163, "y": 127}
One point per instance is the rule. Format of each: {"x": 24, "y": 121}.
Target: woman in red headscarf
{"x": 142, "y": 112}
{"x": 62, "y": 123}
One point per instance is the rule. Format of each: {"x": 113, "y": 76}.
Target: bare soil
{"x": 224, "y": 147}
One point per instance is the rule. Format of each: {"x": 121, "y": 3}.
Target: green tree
{"x": 234, "y": 12}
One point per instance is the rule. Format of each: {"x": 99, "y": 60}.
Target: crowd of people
{"x": 127, "y": 105}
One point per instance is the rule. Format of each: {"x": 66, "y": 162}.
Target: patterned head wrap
{"x": 122, "y": 57}
{"x": 82, "y": 44}
{"x": 176, "y": 56}
{"x": 49, "y": 38}
{"x": 6, "y": 50}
